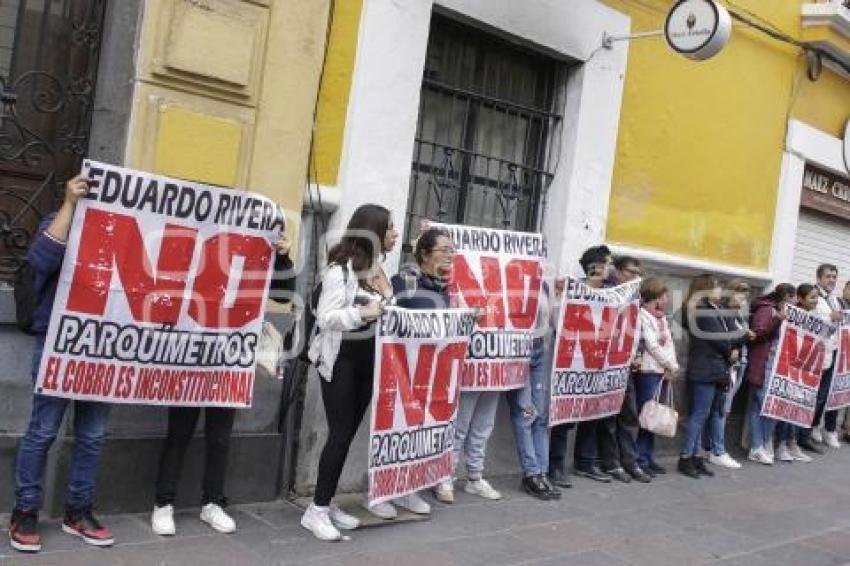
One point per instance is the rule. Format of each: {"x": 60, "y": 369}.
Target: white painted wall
{"x": 384, "y": 106}
{"x": 803, "y": 143}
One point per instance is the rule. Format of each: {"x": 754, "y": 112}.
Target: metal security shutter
{"x": 820, "y": 239}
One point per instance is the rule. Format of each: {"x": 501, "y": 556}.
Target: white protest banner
{"x": 418, "y": 359}
{"x": 839, "y": 390}
{"x": 597, "y": 337}
{"x": 162, "y": 292}
{"x": 501, "y": 274}
{"x": 794, "y": 375}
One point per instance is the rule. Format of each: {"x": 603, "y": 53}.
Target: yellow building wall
{"x": 700, "y": 143}
{"x": 226, "y": 91}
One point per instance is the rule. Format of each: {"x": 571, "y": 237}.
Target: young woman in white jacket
{"x": 354, "y": 290}
{"x": 658, "y": 361}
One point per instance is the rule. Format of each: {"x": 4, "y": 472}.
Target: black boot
{"x": 686, "y": 467}
{"x": 638, "y": 474}
{"x": 560, "y": 478}
{"x": 535, "y": 486}
{"x": 702, "y": 469}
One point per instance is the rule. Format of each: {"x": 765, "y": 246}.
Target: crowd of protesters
{"x": 731, "y": 337}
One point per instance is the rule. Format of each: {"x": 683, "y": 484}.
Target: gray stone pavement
{"x": 790, "y": 514}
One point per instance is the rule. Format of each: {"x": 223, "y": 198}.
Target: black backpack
{"x": 305, "y": 326}
{"x": 25, "y": 297}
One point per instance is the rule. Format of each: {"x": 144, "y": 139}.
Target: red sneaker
{"x": 84, "y": 525}
{"x": 23, "y": 531}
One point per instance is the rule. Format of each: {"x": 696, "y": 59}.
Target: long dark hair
{"x": 366, "y": 230}
{"x": 780, "y": 292}
{"x": 697, "y": 295}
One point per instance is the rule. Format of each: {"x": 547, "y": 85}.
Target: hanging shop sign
{"x": 825, "y": 191}
{"x": 698, "y": 29}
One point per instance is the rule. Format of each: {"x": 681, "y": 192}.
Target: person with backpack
{"x": 354, "y": 292}
{"x": 218, "y": 428}
{"x": 768, "y": 312}
{"x": 45, "y": 258}
{"x": 711, "y": 355}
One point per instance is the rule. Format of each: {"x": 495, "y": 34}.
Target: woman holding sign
{"x": 354, "y": 290}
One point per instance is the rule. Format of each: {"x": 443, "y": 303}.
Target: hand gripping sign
{"x": 418, "y": 359}
{"x": 499, "y": 273}
{"x": 596, "y": 340}
{"x": 161, "y": 295}
{"x": 795, "y": 371}
{"x": 839, "y": 391}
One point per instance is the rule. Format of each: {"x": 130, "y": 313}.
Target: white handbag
{"x": 660, "y": 417}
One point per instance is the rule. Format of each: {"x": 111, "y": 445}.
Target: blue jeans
{"x": 706, "y": 403}
{"x": 645, "y": 386}
{"x": 529, "y": 407}
{"x": 476, "y": 415}
{"x": 760, "y": 427}
{"x": 90, "y": 420}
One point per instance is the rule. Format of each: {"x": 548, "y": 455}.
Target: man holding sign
{"x": 90, "y": 417}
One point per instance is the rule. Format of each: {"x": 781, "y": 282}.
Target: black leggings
{"x": 218, "y": 424}
{"x": 346, "y": 397}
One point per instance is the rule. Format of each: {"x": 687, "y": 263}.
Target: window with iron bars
{"x": 488, "y": 134}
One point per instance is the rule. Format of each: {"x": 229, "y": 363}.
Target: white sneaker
{"x": 214, "y": 516}
{"x": 482, "y": 488}
{"x": 784, "y": 454}
{"x": 445, "y": 492}
{"x": 798, "y": 454}
{"x": 760, "y": 456}
{"x": 162, "y": 521}
{"x": 724, "y": 461}
{"x": 384, "y": 510}
{"x": 768, "y": 449}
{"x": 816, "y": 435}
{"x": 414, "y": 503}
{"x": 341, "y": 519}
{"x": 831, "y": 440}
{"x": 318, "y": 522}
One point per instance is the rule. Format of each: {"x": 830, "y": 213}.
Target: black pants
{"x": 346, "y": 397}
{"x": 218, "y": 424}
{"x": 830, "y": 419}
{"x": 596, "y": 442}
{"x": 558, "y": 438}
{"x": 627, "y": 427}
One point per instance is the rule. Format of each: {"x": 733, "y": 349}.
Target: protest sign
{"x": 418, "y": 359}
{"x": 794, "y": 374}
{"x": 839, "y": 390}
{"x": 500, "y": 273}
{"x": 161, "y": 294}
{"x": 595, "y": 343}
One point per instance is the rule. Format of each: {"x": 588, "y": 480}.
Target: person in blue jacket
{"x": 90, "y": 418}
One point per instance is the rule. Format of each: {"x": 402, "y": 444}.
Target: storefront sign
{"x": 826, "y": 191}
{"x": 698, "y": 29}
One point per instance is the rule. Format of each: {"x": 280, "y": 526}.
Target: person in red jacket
{"x": 768, "y": 312}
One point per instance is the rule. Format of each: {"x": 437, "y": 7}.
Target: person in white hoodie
{"x": 658, "y": 366}
{"x": 354, "y": 291}
{"x": 828, "y": 308}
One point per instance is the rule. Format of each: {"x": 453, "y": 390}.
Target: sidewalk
{"x": 790, "y": 514}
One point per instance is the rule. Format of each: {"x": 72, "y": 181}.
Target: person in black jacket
{"x": 711, "y": 355}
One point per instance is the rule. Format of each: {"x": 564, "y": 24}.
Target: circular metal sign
{"x": 698, "y": 29}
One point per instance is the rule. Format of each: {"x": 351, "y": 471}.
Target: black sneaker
{"x": 639, "y": 475}
{"x": 23, "y": 531}
{"x": 560, "y": 478}
{"x": 83, "y": 524}
{"x": 686, "y": 466}
{"x": 554, "y": 492}
{"x": 619, "y": 474}
{"x": 593, "y": 473}
{"x": 536, "y": 487}
{"x": 702, "y": 469}
{"x": 655, "y": 469}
